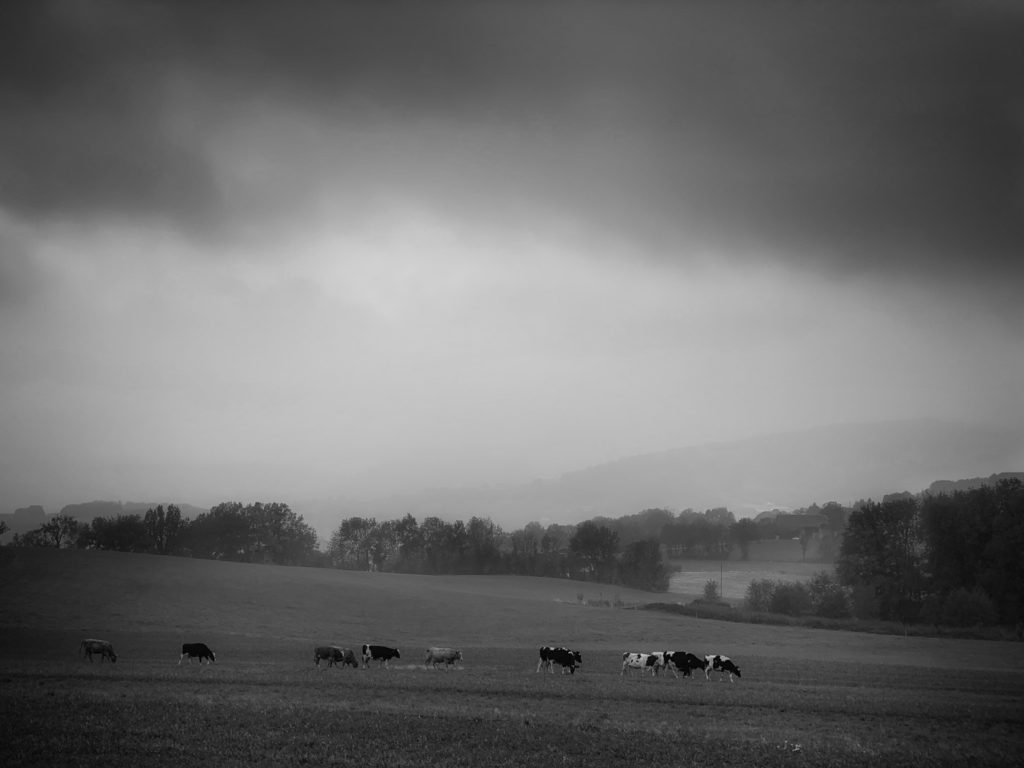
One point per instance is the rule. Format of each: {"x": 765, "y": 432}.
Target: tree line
{"x": 945, "y": 558}
{"x": 587, "y": 551}
{"x": 256, "y": 532}
{"x": 952, "y": 559}
{"x": 628, "y": 550}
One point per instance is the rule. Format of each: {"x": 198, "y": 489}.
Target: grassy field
{"x": 807, "y": 697}
{"x": 735, "y": 575}
{"x": 775, "y": 559}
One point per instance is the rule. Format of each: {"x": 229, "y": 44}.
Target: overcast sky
{"x": 253, "y": 250}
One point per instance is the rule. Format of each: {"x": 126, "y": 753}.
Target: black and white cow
{"x": 564, "y": 657}
{"x": 681, "y": 661}
{"x": 379, "y": 653}
{"x": 446, "y": 656}
{"x": 196, "y": 650}
{"x": 720, "y": 663}
{"x": 332, "y": 654}
{"x": 643, "y": 662}
{"x": 91, "y": 646}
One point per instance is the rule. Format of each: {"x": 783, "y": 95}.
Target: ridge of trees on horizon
{"x": 257, "y": 532}
{"x": 951, "y": 558}
{"x": 628, "y": 550}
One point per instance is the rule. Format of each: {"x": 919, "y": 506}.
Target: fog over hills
{"x": 841, "y": 463}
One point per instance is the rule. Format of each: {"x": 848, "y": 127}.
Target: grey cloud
{"x": 85, "y": 130}
{"x": 878, "y": 139}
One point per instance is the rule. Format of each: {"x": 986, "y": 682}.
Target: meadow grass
{"x": 807, "y": 697}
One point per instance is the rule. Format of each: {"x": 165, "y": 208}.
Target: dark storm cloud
{"x": 84, "y": 128}
{"x": 851, "y": 138}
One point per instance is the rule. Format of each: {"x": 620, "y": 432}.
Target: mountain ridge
{"x": 783, "y": 470}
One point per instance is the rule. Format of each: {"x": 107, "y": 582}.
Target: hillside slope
{"x": 147, "y": 605}
{"x": 96, "y": 590}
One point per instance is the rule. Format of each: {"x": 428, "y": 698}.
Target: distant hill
{"x": 952, "y": 486}
{"x": 841, "y": 463}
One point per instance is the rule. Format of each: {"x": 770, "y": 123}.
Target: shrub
{"x": 711, "y": 591}
{"x": 792, "y": 598}
{"x": 828, "y": 597}
{"x": 759, "y": 595}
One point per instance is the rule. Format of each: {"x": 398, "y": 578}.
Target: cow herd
{"x": 679, "y": 661}
{"x": 676, "y": 661}
{"x": 567, "y": 659}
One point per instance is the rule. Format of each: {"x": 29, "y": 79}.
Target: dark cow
{"x": 720, "y": 664}
{"x": 379, "y": 653}
{"x": 196, "y": 650}
{"x": 91, "y": 646}
{"x": 681, "y": 661}
{"x": 564, "y": 657}
{"x": 332, "y": 654}
{"x": 446, "y": 656}
{"x": 643, "y": 661}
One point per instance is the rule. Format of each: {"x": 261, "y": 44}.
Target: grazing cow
{"x": 446, "y": 656}
{"x": 101, "y": 647}
{"x": 720, "y": 664}
{"x": 643, "y": 661}
{"x": 194, "y": 650}
{"x": 379, "y": 653}
{"x": 332, "y": 654}
{"x": 681, "y": 661}
{"x": 564, "y": 657}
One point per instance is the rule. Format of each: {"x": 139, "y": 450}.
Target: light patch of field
{"x": 735, "y": 575}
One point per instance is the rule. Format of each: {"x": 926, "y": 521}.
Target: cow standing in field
{"x": 564, "y": 657}
{"x": 446, "y": 656}
{"x": 196, "y": 650}
{"x": 643, "y": 662}
{"x": 720, "y": 663}
{"x": 91, "y": 646}
{"x": 332, "y": 654}
{"x": 379, "y": 653}
{"x": 681, "y": 661}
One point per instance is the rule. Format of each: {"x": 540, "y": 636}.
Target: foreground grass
{"x": 807, "y": 697}
{"x": 499, "y": 712}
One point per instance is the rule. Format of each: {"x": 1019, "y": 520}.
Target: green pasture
{"x": 807, "y": 697}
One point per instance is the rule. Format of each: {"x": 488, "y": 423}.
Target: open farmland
{"x": 807, "y": 697}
